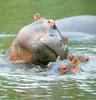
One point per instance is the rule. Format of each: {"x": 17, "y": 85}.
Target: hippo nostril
{"x": 52, "y": 35}
{"x": 64, "y": 69}
{"x": 48, "y": 21}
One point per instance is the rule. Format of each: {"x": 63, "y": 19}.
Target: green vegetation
{"x": 14, "y": 14}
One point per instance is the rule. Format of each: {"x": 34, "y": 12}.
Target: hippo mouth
{"x": 52, "y": 49}
{"x": 47, "y": 46}
{"x": 43, "y": 53}
{"x": 51, "y": 46}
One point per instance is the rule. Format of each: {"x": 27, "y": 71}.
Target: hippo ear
{"x": 75, "y": 61}
{"x": 37, "y": 16}
{"x": 65, "y": 40}
{"x": 75, "y": 67}
{"x": 58, "y": 59}
{"x": 70, "y": 56}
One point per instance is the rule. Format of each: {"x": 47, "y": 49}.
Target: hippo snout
{"x": 59, "y": 67}
{"x": 41, "y": 41}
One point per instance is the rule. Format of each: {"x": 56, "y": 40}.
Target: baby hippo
{"x": 69, "y": 65}
{"x": 63, "y": 66}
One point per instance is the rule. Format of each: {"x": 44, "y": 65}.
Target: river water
{"x": 24, "y": 82}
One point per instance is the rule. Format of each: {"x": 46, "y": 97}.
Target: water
{"x": 23, "y": 82}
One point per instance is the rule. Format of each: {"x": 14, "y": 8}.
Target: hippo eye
{"x": 63, "y": 69}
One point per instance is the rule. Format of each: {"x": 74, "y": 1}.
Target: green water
{"x": 20, "y": 83}
{"x": 14, "y": 14}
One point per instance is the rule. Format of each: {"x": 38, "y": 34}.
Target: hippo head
{"x": 63, "y": 66}
{"x": 60, "y": 67}
{"x": 43, "y": 40}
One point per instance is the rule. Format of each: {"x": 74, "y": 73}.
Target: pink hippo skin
{"x": 38, "y": 43}
{"x": 63, "y": 66}
{"x": 69, "y": 65}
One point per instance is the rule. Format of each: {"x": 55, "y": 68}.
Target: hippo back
{"x": 85, "y": 24}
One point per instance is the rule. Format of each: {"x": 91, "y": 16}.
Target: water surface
{"x": 22, "y": 82}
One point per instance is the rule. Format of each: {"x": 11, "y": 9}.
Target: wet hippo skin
{"x": 80, "y": 27}
{"x": 69, "y": 65}
{"x": 86, "y": 24}
{"x": 63, "y": 66}
{"x": 38, "y": 44}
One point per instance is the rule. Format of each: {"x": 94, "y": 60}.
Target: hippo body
{"x": 78, "y": 27}
{"x": 86, "y": 24}
{"x": 37, "y": 44}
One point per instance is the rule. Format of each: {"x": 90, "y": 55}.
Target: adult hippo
{"x": 38, "y": 43}
{"x": 41, "y": 42}
{"x": 78, "y": 27}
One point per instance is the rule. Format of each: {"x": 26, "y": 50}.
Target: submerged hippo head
{"x": 41, "y": 40}
{"x": 60, "y": 67}
{"x": 63, "y": 67}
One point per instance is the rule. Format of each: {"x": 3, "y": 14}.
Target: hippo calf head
{"x": 63, "y": 66}
{"x": 60, "y": 67}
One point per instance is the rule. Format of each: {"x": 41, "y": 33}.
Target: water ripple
{"x": 25, "y": 81}
{"x": 6, "y": 35}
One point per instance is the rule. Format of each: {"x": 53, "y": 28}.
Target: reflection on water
{"x": 22, "y": 82}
